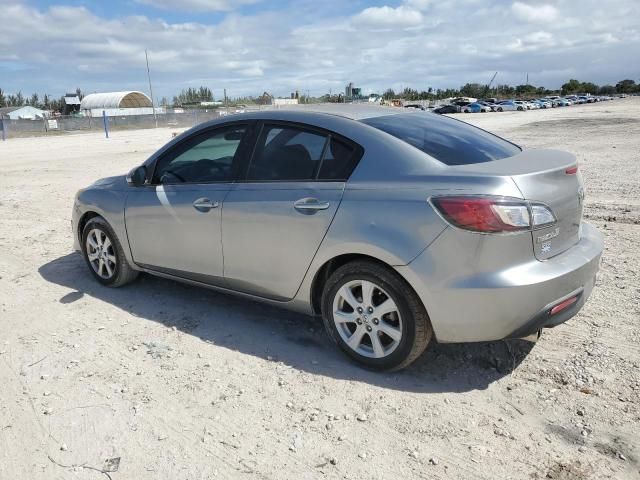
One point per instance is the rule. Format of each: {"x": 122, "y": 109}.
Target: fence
{"x": 56, "y": 126}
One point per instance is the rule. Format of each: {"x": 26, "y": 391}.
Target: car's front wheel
{"x": 374, "y": 316}
{"x": 500, "y": 109}
{"x": 104, "y": 255}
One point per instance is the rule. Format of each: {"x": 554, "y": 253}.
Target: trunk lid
{"x": 541, "y": 176}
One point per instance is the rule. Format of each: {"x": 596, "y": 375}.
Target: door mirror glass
{"x": 137, "y": 176}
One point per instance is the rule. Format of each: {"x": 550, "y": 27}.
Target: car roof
{"x": 353, "y": 111}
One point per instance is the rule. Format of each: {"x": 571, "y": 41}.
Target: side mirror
{"x": 137, "y": 176}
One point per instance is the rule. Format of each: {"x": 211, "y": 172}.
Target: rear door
{"x": 275, "y": 218}
{"x": 174, "y": 223}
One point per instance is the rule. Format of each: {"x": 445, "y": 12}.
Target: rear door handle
{"x": 204, "y": 204}
{"x": 309, "y": 205}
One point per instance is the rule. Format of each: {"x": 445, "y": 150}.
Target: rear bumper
{"x": 468, "y": 300}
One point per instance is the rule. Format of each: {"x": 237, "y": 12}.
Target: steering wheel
{"x": 217, "y": 164}
{"x": 172, "y": 173}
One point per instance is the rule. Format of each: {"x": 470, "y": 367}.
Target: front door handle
{"x": 204, "y": 204}
{"x": 310, "y": 205}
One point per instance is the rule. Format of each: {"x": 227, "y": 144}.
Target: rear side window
{"x": 338, "y": 161}
{"x": 450, "y": 141}
{"x": 286, "y": 153}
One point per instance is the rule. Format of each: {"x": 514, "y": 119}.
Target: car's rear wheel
{"x": 104, "y": 254}
{"x": 374, "y": 316}
{"x": 500, "y": 109}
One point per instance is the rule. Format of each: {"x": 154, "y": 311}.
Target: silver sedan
{"x": 397, "y": 227}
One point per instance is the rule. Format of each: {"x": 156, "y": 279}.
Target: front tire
{"x": 104, "y": 255}
{"x": 500, "y": 109}
{"x": 374, "y": 316}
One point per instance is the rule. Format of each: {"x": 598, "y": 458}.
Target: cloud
{"x": 419, "y": 4}
{"x": 284, "y": 47}
{"x": 534, "y": 13}
{"x": 198, "y": 5}
{"x": 388, "y": 17}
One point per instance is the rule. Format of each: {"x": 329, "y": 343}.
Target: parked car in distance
{"x": 447, "y": 109}
{"x": 475, "y": 107}
{"x": 489, "y": 105}
{"x": 543, "y": 103}
{"x": 563, "y": 102}
{"x": 397, "y": 226}
{"x": 506, "y": 106}
{"x": 521, "y": 105}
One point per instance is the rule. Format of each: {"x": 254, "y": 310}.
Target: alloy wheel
{"x": 367, "y": 319}
{"x": 101, "y": 253}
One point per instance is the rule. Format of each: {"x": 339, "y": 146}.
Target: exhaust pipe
{"x": 533, "y": 338}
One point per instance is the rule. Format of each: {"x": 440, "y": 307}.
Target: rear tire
{"x": 392, "y": 328}
{"x": 104, "y": 255}
{"x": 500, "y": 109}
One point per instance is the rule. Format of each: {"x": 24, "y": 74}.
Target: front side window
{"x": 209, "y": 158}
{"x": 286, "y": 153}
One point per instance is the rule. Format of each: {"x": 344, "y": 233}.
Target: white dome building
{"x": 117, "y": 104}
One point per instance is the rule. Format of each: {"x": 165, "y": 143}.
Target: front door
{"x": 275, "y": 218}
{"x": 174, "y": 224}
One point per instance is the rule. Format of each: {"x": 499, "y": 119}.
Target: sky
{"x": 314, "y": 46}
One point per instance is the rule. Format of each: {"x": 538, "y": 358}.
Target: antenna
{"x": 153, "y": 105}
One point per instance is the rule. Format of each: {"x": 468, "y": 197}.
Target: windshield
{"x": 450, "y": 141}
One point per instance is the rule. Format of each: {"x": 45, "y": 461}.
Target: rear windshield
{"x": 450, "y": 141}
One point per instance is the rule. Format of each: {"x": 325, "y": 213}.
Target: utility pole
{"x": 153, "y": 104}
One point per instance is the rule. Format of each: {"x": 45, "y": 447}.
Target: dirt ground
{"x": 163, "y": 381}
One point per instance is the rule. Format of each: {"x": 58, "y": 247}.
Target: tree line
{"x": 46, "y": 102}
{"x": 192, "y": 96}
{"x": 477, "y": 90}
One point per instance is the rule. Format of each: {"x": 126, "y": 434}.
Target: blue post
{"x": 4, "y": 135}
{"x": 106, "y": 123}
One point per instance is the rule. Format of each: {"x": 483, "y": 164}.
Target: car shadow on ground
{"x": 297, "y": 340}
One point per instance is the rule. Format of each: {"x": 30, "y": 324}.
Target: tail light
{"x": 492, "y": 214}
{"x": 571, "y": 170}
{"x": 563, "y": 305}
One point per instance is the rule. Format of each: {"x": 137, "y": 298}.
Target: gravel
{"x": 497, "y": 410}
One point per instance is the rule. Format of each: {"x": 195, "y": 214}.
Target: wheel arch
{"x": 331, "y": 265}
{"x": 86, "y": 216}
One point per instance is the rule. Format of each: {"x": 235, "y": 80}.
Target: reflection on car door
{"x": 173, "y": 224}
{"x": 274, "y": 220}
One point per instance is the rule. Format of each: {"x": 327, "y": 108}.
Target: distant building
{"x": 71, "y": 104}
{"x": 284, "y": 101}
{"x": 352, "y": 93}
{"x": 26, "y": 112}
{"x": 348, "y": 90}
{"x": 117, "y": 104}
